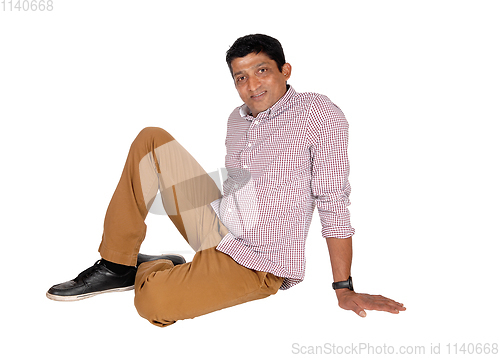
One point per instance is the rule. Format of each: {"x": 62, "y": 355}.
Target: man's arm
{"x": 341, "y": 257}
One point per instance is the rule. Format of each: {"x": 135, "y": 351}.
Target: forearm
{"x": 340, "y": 257}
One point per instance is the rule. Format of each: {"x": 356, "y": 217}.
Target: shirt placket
{"x": 251, "y": 141}
{"x": 251, "y": 138}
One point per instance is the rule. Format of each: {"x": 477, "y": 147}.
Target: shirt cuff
{"x": 338, "y": 232}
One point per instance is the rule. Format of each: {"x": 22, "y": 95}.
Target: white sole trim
{"x": 86, "y": 295}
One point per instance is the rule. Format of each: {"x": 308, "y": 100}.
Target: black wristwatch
{"x": 343, "y": 284}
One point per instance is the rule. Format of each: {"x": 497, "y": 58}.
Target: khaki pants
{"x": 213, "y": 280}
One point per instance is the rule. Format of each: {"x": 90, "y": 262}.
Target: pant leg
{"x": 156, "y": 161}
{"x": 212, "y": 281}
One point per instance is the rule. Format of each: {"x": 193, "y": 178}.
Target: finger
{"x": 380, "y": 303}
{"x": 382, "y": 298}
{"x": 359, "y": 311}
{"x": 389, "y": 307}
{"x": 386, "y": 306}
{"x": 391, "y": 304}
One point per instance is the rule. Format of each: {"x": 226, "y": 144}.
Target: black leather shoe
{"x": 93, "y": 281}
{"x": 176, "y": 259}
{"x": 99, "y": 279}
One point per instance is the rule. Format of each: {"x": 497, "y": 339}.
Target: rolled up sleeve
{"x": 328, "y": 135}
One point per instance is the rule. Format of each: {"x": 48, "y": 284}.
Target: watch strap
{"x": 343, "y": 284}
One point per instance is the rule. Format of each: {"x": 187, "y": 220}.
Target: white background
{"x": 418, "y": 83}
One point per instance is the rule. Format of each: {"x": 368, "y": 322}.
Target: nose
{"x": 253, "y": 83}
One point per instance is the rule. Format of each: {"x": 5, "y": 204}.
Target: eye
{"x": 240, "y": 80}
{"x": 262, "y": 70}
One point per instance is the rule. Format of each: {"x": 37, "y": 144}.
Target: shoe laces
{"x": 86, "y": 273}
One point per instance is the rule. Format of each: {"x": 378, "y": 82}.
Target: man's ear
{"x": 286, "y": 70}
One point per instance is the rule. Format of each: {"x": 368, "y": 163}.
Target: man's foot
{"x": 93, "y": 281}
{"x": 100, "y": 279}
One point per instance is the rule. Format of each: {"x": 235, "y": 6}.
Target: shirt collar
{"x": 271, "y": 111}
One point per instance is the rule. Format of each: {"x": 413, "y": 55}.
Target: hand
{"x": 358, "y": 302}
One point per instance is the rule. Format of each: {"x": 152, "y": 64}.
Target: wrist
{"x": 342, "y": 292}
{"x": 340, "y": 285}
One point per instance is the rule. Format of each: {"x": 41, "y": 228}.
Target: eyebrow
{"x": 258, "y": 65}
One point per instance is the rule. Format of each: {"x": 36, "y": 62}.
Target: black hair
{"x": 256, "y": 43}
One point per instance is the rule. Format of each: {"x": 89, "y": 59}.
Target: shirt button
{"x": 249, "y": 144}
{"x": 245, "y": 166}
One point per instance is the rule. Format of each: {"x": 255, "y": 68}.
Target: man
{"x": 286, "y": 154}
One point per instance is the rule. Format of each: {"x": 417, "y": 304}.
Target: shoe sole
{"x": 178, "y": 255}
{"x": 86, "y": 295}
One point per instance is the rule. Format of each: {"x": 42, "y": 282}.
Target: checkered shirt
{"x": 281, "y": 165}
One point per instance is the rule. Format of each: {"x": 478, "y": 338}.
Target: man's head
{"x": 256, "y": 44}
{"x": 257, "y": 64}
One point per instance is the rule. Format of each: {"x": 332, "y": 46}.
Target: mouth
{"x": 258, "y": 96}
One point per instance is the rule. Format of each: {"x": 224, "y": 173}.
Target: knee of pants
{"x": 151, "y": 296}
{"x": 152, "y": 305}
{"x": 154, "y": 134}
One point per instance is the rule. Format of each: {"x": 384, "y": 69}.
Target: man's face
{"x": 258, "y": 81}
